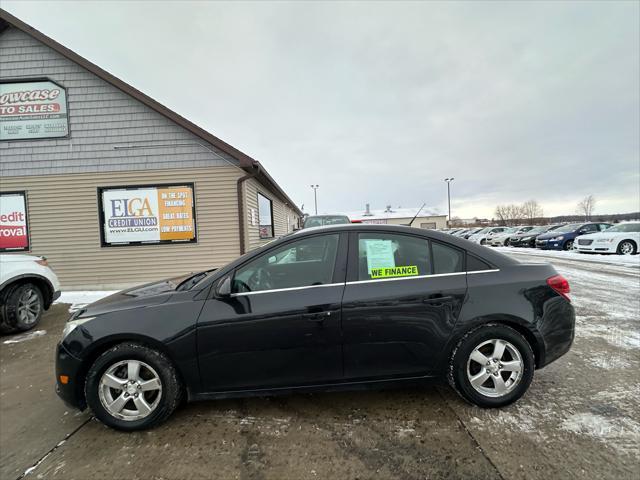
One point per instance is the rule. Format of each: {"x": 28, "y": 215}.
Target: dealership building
{"x": 111, "y": 186}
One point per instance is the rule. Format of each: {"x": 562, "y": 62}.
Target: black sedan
{"x": 330, "y": 308}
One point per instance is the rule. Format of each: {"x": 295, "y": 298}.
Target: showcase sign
{"x": 32, "y": 110}
{"x": 148, "y": 215}
{"x": 13, "y": 222}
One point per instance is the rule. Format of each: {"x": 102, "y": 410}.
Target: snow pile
{"x": 24, "y": 337}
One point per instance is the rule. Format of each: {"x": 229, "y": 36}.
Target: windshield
{"x": 538, "y": 230}
{"x": 484, "y": 230}
{"x": 511, "y": 230}
{"x": 325, "y": 220}
{"x": 625, "y": 227}
{"x": 572, "y": 227}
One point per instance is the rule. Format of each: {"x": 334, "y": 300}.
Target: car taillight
{"x": 560, "y": 285}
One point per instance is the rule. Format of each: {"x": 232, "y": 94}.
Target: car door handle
{"x": 316, "y": 316}
{"x": 436, "y": 300}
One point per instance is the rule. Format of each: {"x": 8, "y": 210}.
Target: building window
{"x": 265, "y": 216}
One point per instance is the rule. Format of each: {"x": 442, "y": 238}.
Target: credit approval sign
{"x": 14, "y": 233}
{"x": 154, "y": 214}
{"x": 33, "y": 110}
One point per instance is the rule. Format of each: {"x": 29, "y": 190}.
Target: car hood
{"x": 145, "y": 295}
{"x": 547, "y": 236}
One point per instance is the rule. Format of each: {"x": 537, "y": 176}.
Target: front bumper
{"x": 549, "y": 244}
{"x": 68, "y": 365}
{"x": 597, "y": 248}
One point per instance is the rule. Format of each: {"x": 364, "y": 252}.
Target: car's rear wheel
{"x": 492, "y": 366}
{"x": 132, "y": 387}
{"x": 506, "y": 242}
{"x": 22, "y": 308}
{"x": 568, "y": 245}
{"x": 627, "y": 247}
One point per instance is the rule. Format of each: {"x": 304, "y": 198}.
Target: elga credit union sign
{"x": 32, "y": 110}
{"x": 163, "y": 214}
{"x": 13, "y": 222}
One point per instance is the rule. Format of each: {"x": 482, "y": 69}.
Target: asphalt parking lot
{"x": 581, "y": 417}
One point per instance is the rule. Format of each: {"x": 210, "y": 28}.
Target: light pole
{"x": 315, "y": 196}
{"x": 449, "y": 180}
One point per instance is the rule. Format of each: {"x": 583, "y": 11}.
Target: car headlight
{"x": 561, "y": 237}
{"x": 71, "y": 325}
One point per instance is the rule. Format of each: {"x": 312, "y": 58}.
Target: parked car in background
{"x": 460, "y": 232}
{"x": 324, "y": 220}
{"x": 502, "y": 239}
{"x": 528, "y": 239}
{"x": 466, "y": 235}
{"x": 28, "y": 287}
{"x": 335, "y": 308}
{"x": 484, "y": 235}
{"x": 562, "y": 238}
{"x": 622, "y": 239}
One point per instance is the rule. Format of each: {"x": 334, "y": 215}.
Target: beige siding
{"x": 439, "y": 220}
{"x": 64, "y": 226}
{"x": 280, "y": 213}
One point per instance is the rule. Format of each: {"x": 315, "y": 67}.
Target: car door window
{"x": 302, "y": 263}
{"x": 383, "y": 256}
{"x": 604, "y": 226}
{"x": 446, "y": 259}
{"x": 589, "y": 228}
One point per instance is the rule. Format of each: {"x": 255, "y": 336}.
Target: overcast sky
{"x": 379, "y": 102}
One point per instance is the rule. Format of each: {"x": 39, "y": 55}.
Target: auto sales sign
{"x": 13, "y": 222}
{"x": 32, "y": 110}
{"x": 148, "y": 215}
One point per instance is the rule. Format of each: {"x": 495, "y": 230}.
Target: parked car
{"x": 28, "y": 287}
{"x": 323, "y": 220}
{"x": 459, "y": 232}
{"x": 562, "y": 238}
{"x": 502, "y": 239}
{"x": 334, "y": 308}
{"x": 528, "y": 239}
{"x": 622, "y": 239}
{"x": 484, "y": 235}
{"x": 466, "y": 235}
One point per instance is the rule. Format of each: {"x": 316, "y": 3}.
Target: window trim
{"x": 273, "y": 224}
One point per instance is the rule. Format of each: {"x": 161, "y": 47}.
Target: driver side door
{"x": 280, "y": 327}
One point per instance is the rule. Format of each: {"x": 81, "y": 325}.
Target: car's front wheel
{"x": 627, "y": 247}
{"x": 568, "y": 245}
{"x": 492, "y": 366}
{"x": 22, "y": 308}
{"x": 132, "y": 387}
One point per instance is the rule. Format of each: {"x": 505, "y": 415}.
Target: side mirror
{"x": 224, "y": 287}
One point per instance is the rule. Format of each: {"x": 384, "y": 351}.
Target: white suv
{"x": 27, "y": 288}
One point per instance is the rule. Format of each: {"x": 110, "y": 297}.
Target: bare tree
{"x": 586, "y": 206}
{"x": 532, "y": 211}
{"x": 509, "y": 214}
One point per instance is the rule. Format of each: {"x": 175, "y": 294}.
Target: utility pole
{"x": 449, "y": 180}
{"x": 315, "y": 196}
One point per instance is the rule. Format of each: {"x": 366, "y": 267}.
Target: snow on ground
{"x": 611, "y": 259}
{"x": 79, "y": 299}
{"x": 26, "y": 336}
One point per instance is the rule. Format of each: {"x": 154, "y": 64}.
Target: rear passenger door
{"x": 401, "y": 300}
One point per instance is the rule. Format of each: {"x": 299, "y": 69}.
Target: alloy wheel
{"x": 494, "y": 368}
{"x": 29, "y": 307}
{"x": 130, "y": 390}
{"x": 626, "y": 248}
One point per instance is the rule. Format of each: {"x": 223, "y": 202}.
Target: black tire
{"x": 14, "y": 317}
{"x": 460, "y": 362}
{"x": 630, "y": 244}
{"x": 506, "y": 242}
{"x": 568, "y": 245}
{"x": 170, "y": 393}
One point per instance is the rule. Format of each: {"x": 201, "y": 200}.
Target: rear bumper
{"x": 69, "y": 366}
{"x": 557, "y": 330}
